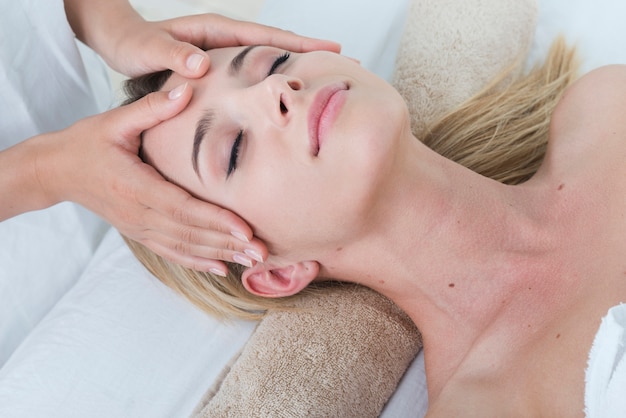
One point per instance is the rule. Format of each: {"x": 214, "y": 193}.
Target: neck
{"x": 450, "y": 247}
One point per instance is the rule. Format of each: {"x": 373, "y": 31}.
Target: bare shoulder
{"x": 588, "y": 126}
{"x": 596, "y": 102}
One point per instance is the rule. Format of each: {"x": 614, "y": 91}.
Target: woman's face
{"x": 296, "y": 144}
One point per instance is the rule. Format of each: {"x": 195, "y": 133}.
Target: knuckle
{"x": 230, "y": 245}
{"x": 188, "y": 235}
{"x": 180, "y": 247}
{"x": 151, "y": 103}
{"x": 220, "y": 254}
{"x": 222, "y": 218}
{"x": 178, "y": 52}
{"x": 180, "y": 215}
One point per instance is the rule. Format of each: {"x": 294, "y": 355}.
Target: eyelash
{"x": 234, "y": 152}
{"x": 278, "y": 62}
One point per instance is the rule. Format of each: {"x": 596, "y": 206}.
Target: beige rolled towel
{"x": 452, "y": 48}
{"x": 340, "y": 356}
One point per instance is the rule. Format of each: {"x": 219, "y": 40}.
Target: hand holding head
{"x": 97, "y": 166}
{"x": 179, "y": 44}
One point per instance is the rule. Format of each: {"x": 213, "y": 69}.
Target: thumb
{"x": 185, "y": 59}
{"x": 152, "y": 109}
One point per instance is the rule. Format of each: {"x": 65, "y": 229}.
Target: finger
{"x": 175, "y": 203}
{"x": 182, "y": 57}
{"x": 214, "y": 31}
{"x": 200, "y": 242}
{"x": 191, "y": 262}
{"x": 222, "y": 247}
{"x": 267, "y": 35}
{"x": 150, "y": 110}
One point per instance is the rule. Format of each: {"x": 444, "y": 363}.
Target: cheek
{"x": 304, "y": 206}
{"x": 304, "y": 209}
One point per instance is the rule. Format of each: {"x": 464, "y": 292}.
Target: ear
{"x": 262, "y": 280}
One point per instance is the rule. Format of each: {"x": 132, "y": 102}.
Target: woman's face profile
{"x": 293, "y": 143}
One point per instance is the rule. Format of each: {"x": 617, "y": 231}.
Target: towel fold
{"x": 341, "y": 355}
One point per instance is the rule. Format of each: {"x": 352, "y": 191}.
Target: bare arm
{"x": 20, "y": 187}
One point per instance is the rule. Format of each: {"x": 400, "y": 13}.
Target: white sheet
{"x": 113, "y": 342}
{"x": 118, "y": 344}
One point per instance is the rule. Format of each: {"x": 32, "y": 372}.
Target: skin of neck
{"x": 451, "y": 248}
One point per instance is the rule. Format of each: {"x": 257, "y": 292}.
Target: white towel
{"x": 605, "y": 388}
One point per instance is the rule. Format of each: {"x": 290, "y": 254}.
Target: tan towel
{"x": 452, "y": 48}
{"x": 341, "y": 356}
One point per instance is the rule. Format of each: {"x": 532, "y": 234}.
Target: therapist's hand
{"x": 178, "y": 44}
{"x": 95, "y": 164}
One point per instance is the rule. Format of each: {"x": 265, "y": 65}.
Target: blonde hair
{"x": 502, "y": 133}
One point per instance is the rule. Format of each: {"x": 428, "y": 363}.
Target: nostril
{"x": 294, "y": 85}
{"x": 283, "y": 108}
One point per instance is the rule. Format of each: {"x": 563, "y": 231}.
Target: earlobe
{"x": 262, "y": 280}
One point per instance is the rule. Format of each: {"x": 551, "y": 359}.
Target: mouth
{"x": 323, "y": 112}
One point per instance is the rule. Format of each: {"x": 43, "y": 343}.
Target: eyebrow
{"x": 237, "y": 62}
{"x": 203, "y": 126}
{"x": 206, "y": 121}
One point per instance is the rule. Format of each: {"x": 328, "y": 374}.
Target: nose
{"x": 283, "y": 95}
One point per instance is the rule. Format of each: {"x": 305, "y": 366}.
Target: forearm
{"x": 24, "y": 170}
{"x": 95, "y": 22}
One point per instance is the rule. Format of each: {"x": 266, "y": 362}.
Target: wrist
{"x": 26, "y": 177}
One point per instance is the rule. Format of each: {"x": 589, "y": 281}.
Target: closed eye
{"x": 278, "y": 62}
{"x": 234, "y": 154}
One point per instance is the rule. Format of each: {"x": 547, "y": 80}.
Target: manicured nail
{"x": 194, "y": 61}
{"x": 253, "y": 254}
{"x": 242, "y": 259}
{"x": 218, "y": 272}
{"x": 240, "y": 236}
{"x": 177, "y": 92}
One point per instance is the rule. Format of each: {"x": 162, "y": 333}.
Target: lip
{"x": 323, "y": 112}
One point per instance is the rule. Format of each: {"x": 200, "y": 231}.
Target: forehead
{"x": 168, "y": 145}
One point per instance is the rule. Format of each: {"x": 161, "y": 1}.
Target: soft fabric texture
{"x": 605, "y": 386}
{"x": 118, "y": 344}
{"x": 341, "y": 355}
{"x": 345, "y": 353}
{"x": 452, "y": 49}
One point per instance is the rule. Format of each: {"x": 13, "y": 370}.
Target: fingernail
{"x": 177, "y": 92}
{"x": 218, "y": 272}
{"x": 194, "y": 61}
{"x": 242, "y": 259}
{"x": 240, "y": 236}
{"x": 253, "y": 254}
